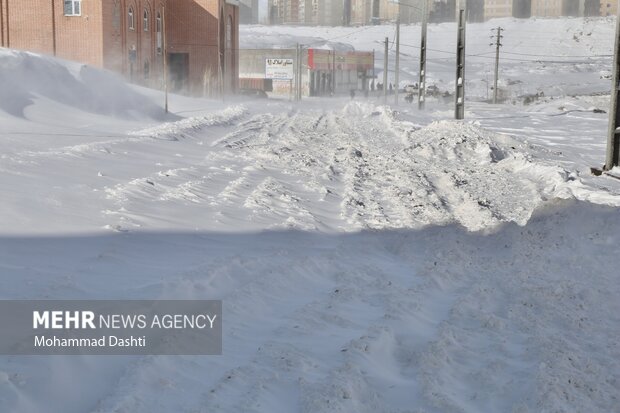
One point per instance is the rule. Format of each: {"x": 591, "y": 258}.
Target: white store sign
{"x": 279, "y": 69}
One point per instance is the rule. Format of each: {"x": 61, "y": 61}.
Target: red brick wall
{"x": 119, "y": 39}
{"x": 101, "y": 36}
{"x": 112, "y": 35}
{"x": 30, "y": 25}
{"x": 79, "y": 38}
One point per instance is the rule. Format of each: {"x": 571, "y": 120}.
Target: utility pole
{"x": 165, "y": 56}
{"x": 459, "y": 101}
{"x": 498, "y": 44}
{"x": 297, "y": 72}
{"x": 374, "y": 82}
{"x": 334, "y": 73}
{"x": 422, "y": 83}
{"x": 613, "y": 134}
{"x": 385, "y": 71}
{"x": 301, "y": 71}
{"x": 397, "y": 65}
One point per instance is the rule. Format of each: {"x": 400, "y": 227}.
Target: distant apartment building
{"x": 571, "y": 8}
{"x": 442, "y": 11}
{"x": 331, "y": 12}
{"x": 248, "y": 11}
{"x": 522, "y": 8}
{"x": 547, "y": 8}
{"x": 497, "y": 8}
{"x": 127, "y": 36}
{"x": 299, "y": 12}
{"x": 361, "y": 12}
{"x": 591, "y": 8}
{"x": 378, "y": 11}
{"x": 609, "y": 8}
{"x": 474, "y": 9}
{"x": 555, "y": 8}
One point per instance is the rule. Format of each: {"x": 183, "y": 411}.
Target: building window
{"x": 73, "y": 7}
{"x": 158, "y": 30}
{"x": 145, "y": 20}
{"x": 130, "y": 18}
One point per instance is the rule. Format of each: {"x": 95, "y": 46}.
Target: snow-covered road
{"x": 431, "y": 320}
{"x": 414, "y": 313}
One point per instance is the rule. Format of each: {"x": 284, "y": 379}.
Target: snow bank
{"x": 180, "y": 128}
{"x": 434, "y": 320}
{"x": 26, "y": 77}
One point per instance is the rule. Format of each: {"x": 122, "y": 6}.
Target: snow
{"x": 370, "y": 257}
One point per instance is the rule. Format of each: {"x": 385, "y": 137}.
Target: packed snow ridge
{"x": 378, "y": 172}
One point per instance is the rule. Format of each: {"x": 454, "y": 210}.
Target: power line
{"x": 481, "y": 55}
{"x": 548, "y": 55}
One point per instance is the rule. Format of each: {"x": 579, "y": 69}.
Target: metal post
{"x": 613, "y": 134}
{"x": 297, "y": 72}
{"x": 459, "y": 101}
{"x": 165, "y": 56}
{"x": 334, "y": 73}
{"x": 385, "y": 71}
{"x": 300, "y": 71}
{"x": 373, "y": 72}
{"x": 422, "y": 83}
{"x": 497, "y": 46}
{"x": 397, "y": 64}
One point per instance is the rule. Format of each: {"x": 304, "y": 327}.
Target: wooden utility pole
{"x": 397, "y": 64}
{"x": 459, "y": 100}
{"x": 613, "y": 134}
{"x": 297, "y": 72}
{"x": 374, "y": 80}
{"x": 165, "y": 56}
{"x": 385, "y": 71}
{"x": 300, "y": 70}
{"x": 422, "y": 82}
{"x": 498, "y": 44}
{"x": 334, "y": 73}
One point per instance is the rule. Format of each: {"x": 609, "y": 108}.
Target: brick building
{"x": 126, "y": 36}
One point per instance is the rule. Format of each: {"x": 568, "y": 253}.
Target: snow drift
{"x": 26, "y": 77}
